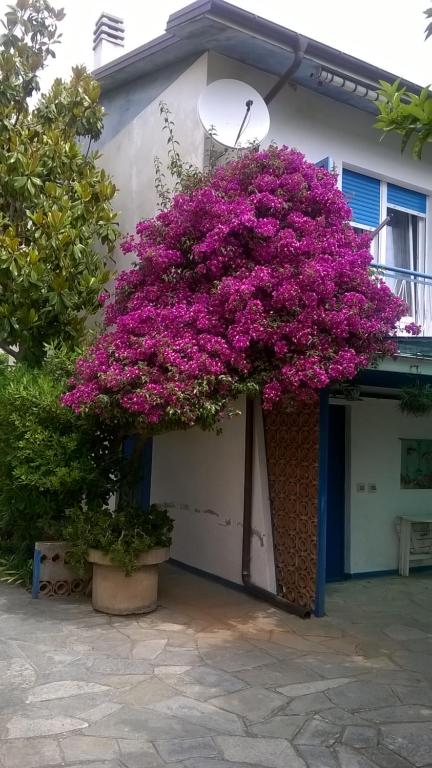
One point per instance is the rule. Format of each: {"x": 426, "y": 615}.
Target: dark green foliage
{"x": 406, "y": 113}
{"x": 16, "y": 570}
{"x": 58, "y": 472}
{"x": 57, "y": 227}
{"x": 50, "y": 459}
{"x": 416, "y": 400}
{"x": 122, "y": 535}
{"x": 57, "y": 234}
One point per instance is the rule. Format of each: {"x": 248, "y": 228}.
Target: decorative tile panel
{"x": 292, "y": 444}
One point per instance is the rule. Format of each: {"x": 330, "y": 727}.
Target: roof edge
{"x": 232, "y": 14}
{"x": 177, "y": 34}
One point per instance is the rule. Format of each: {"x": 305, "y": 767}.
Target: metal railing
{"x": 415, "y": 288}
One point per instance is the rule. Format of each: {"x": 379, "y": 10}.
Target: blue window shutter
{"x": 363, "y": 197}
{"x": 326, "y": 163}
{"x": 406, "y": 198}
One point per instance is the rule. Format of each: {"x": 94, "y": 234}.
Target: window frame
{"x": 374, "y": 246}
{"x": 385, "y": 205}
{"x": 379, "y": 243}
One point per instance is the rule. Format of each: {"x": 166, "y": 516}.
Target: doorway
{"x": 335, "y": 529}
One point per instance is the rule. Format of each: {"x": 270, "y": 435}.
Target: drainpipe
{"x": 299, "y": 53}
{"x": 250, "y": 587}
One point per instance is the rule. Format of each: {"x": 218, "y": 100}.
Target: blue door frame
{"x": 331, "y": 488}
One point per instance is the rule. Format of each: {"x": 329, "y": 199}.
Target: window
{"x": 405, "y": 249}
{"x": 402, "y": 243}
{"x": 405, "y": 235}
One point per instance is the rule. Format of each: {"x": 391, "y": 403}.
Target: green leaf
{"x": 56, "y": 205}
{"x": 20, "y": 181}
{"x": 50, "y": 188}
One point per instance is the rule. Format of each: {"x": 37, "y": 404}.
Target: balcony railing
{"x": 415, "y": 288}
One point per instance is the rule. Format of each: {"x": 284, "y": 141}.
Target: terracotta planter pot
{"x": 116, "y": 593}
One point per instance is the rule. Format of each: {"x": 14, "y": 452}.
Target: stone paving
{"x": 215, "y": 679}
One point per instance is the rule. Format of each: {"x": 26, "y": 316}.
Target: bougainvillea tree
{"x": 253, "y": 282}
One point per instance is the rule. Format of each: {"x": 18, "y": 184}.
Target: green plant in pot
{"x": 50, "y": 459}
{"x": 416, "y": 400}
{"x": 125, "y": 547}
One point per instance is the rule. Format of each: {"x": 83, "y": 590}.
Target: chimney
{"x": 108, "y": 39}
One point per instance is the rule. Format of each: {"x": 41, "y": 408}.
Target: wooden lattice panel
{"x": 292, "y": 434}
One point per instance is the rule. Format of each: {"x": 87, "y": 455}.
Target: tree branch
{"x": 88, "y": 148}
{"x": 9, "y": 350}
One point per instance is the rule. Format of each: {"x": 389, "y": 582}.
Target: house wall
{"x": 376, "y": 427}
{"x": 133, "y": 136}
{"x": 319, "y": 126}
{"x": 199, "y": 477}
{"x": 322, "y": 127}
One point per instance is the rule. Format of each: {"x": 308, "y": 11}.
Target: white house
{"x": 288, "y": 500}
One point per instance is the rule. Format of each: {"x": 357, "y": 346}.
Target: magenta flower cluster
{"x": 256, "y": 278}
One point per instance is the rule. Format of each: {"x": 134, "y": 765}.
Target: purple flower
{"x": 103, "y": 297}
{"x": 254, "y": 278}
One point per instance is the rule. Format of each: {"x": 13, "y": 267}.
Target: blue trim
{"x": 144, "y": 487}
{"x": 326, "y": 163}
{"x": 140, "y": 495}
{"x": 322, "y": 505}
{"x": 127, "y": 446}
{"x": 363, "y": 194}
{"x": 36, "y": 574}
{"x": 406, "y": 198}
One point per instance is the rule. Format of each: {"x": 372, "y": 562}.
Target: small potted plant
{"x": 416, "y": 400}
{"x": 125, "y": 547}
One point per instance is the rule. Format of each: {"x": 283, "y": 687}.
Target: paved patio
{"x": 215, "y": 679}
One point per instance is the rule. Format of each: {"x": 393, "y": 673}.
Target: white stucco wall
{"x": 375, "y": 448}
{"x": 199, "y": 477}
{"x": 129, "y": 154}
{"x": 262, "y": 555}
{"x": 319, "y": 127}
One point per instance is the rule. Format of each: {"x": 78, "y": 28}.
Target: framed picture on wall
{"x": 416, "y": 464}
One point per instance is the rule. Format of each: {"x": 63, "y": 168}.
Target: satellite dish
{"x": 233, "y": 113}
